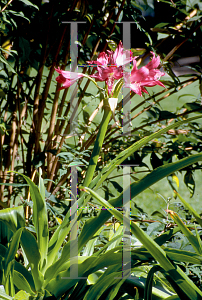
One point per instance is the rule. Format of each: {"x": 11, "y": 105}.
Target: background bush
{"x": 34, "y": 120}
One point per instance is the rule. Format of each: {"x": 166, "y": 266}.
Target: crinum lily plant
{"x": 51, "y": 259}
{"x": 110, "y": 67}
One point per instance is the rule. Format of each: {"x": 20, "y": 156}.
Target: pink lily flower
{"x": 110, "y": 66}
{"x": 67, "y": 78}
{"x": 145, "y": 76}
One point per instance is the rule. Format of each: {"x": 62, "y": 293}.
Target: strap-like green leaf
{"x": 22, "y": 284}
{"x": 40, "y": 218}
{"x": 18, "y": 267}
{"x": 13, "y": 247}
{"x": 92, "y": 225}
{"x": 8, "y": 264}
{"x": 32, "y": 252}
{"x": 178, "y": 276}
{"x": 99, "y": 179}
{"x": 194, "y": 241}
{"x": 13, "y": 217}
{"x": 190, "y": 208}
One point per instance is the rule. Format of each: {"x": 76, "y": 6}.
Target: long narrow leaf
{"x": 18, "y": 267}
{"x": 9, "y": 263}
{"x": 177, "y": 275}
{"x": 32, "y": 252}
{"x": 192, "y": 238}
{"x": 21, "y": 283}
{"x": 190, "y": 208}
{"x": 13, "y": 247}
{"x": 182, "y": 255}
{"x": 40, "y": 218}
{"x": 129, "y": 151}
{"x": 198, "y": 239}
{"x": 104, "y": 282}
{"x": 149, "y": 282}
{"x": 98, "y": 180}
{"x": 158, "y": 174}
{"x": 174, "y": 297}
{"x": 133, "y": 282}
{"x": 13, "y": 217}
{"x": 92, "y": 225}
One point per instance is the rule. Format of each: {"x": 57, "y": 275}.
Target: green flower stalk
{"x": 98, "y": 143}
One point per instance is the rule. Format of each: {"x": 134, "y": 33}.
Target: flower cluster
{"x": 110, "y": 67}
{"x": 148, "y": 75}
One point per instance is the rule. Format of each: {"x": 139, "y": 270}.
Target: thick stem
{"x": 98, "y": 144}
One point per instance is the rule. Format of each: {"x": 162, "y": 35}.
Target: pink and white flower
{"x": 146, "y": 76}
{"x": 67, "y": 78}
{"x": 110, "y": 66}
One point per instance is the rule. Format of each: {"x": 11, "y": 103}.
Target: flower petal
{"x": 139, "y": 75}
{"x": 121, "y": 57}
{"x": 67, "y": 78}
{"x": 145, "y": 76}
{"x": 154, "y": 63}
{"x": 136, "y": 88}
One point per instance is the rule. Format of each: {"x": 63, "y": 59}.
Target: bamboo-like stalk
{"x": 37, "y": 83}
{"x": 97, "y": 145}
{"x": 55, "y": 162}
{"x": 12, "y": 148}
{"x": 55, "y": 166}
{"x": 21, "y": 117}
{"x": 170, "y": 54}
{"x": 55, "y": 102}
{"x": 14, "y": 138}
{"x": 57, "y": 130}
{"x": 51, "y": 129}
{"x": 40, "y": 73}
{"x": 52, "y": 174}
{"x": 156, "y": 121}
{"x": 42, "y": 103}
{"x": 2, "y": 174}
